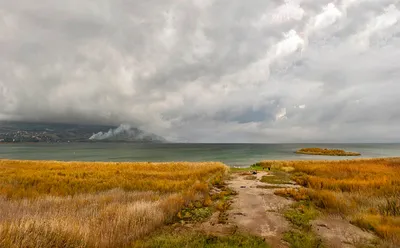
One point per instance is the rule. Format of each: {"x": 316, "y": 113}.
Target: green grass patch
{"x": 222, "y": 202}
{"x": 257, "y": 166}
{"x": 301, "y": 214}
{"x": 254, "y": 167}
{"x": 199, "y": 240}
{"x": 194, "y": 214}
{"x": 251, "y": 168}
{"x": 302, "y": 239}
{"x": 278, "y": 177}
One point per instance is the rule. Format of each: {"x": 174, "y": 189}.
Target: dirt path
{"x": 339, "y": 233}
{"x": 257, "y": 210}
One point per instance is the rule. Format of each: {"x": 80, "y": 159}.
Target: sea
{"x": 235, "y": 155}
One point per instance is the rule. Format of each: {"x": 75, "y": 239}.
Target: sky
{"x": 207, "y": 70}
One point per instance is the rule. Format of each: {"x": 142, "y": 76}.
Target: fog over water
{"x": 207, "y": 70}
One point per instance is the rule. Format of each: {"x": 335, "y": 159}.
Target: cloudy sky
{"x": 207, "y": 70}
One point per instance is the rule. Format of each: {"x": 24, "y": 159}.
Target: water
{"x": 230, "y": 154}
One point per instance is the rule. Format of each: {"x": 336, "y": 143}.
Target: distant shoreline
{"x": 231, "y": 154}
{"x": 84, "y": 142}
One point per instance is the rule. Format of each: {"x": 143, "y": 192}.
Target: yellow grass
{"x": 76, "y": 204}
{"x": 366, "y": 191}
{"x": 326, "y": 152}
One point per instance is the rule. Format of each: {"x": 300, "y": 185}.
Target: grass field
{"x": 84, "y": 204}
{"x": 365, "y": 191}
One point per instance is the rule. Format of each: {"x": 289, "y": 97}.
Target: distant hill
{"x": 57, "y": 132}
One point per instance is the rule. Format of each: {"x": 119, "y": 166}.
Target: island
{"x": 326, "y": 152}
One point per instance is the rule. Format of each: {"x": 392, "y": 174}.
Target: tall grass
{"x": 60, "y": 204}
{"x": 31, "y": 179}
{"x": 366, "y": 191}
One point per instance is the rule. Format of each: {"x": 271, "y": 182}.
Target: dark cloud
{"x": 207, "y": 70}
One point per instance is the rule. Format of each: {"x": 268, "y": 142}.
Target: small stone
{"x": 323, "y": 225}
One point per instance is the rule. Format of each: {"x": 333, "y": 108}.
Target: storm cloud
{"x": 207, "y": 70}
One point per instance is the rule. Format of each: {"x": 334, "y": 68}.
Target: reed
{"x": 84, "y": 204}
{"x": 366, "y": 191}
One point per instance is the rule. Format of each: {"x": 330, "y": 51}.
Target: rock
{"x": 323, "y": 225}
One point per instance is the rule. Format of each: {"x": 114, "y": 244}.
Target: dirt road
{"x": 257, "y": 210}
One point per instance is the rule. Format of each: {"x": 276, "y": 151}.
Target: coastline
{"x": 234, "y": 155}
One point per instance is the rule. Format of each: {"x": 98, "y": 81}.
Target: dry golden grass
{"x": 31, "y": 179}
{"x": 366, "y": 191}
{"x": 75, "y": 204}
{"x": 326, "y": 152}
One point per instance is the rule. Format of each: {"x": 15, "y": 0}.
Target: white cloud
{"x": 289, "y": 45}
{"x": 325, "y": 19}
{"x": 288, "y": 11}
{"x": 281, "y": 114}
{"x": 209, "y": 71}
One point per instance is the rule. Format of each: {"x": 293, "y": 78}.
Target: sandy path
{"x": 339, "y": 233}
{"x": 257, "y": 210}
